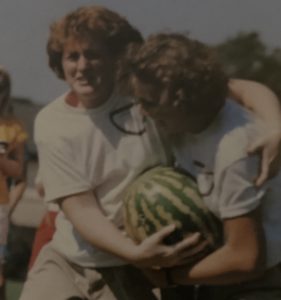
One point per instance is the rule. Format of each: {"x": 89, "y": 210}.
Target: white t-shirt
{"x": 81, "y": 150}
{"x": 52, "y": 207}
{"x": 225, "y": 174}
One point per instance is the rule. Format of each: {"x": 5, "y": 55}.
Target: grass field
{"x": 13, "y": 289}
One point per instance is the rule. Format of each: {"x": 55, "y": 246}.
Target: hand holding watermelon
{"x": 153, "y": 252}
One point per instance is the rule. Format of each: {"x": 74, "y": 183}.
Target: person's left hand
{"x": 269, "y": 146}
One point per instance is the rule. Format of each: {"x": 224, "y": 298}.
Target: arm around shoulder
{"x": 258, "y": 98}
{"x": 265, "y": 105}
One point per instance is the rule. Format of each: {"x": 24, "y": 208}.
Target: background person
{"x": 12, "y": 140}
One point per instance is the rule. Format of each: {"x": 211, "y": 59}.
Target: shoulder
{"x": 47, "y": 119}
{"x": 47, "y": 111}
{"x": 241, "y": 129}
{"x": 234, "y": 144}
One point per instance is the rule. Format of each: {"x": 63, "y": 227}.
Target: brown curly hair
{"x": 186, "y": 66}
{"x": 90, "y": 23}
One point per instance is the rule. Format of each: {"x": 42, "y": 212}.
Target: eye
{"x": 72, "y": 56}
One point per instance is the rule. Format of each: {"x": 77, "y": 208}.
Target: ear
{"x": 134, "y": 83}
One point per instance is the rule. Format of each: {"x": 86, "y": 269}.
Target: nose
{"x": 82, "y": 63}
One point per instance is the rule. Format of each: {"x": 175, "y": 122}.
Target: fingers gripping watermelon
{"x": 163, "y": 196}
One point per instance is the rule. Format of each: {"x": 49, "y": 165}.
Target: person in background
{"x": 17, "y": 186}
{"x": 12, "y": 143}
{"x": 209, "y": 134}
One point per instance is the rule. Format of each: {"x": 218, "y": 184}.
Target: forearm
{"x": 86, "y": 216}
{"x": 219, "y": 269}
{"x": 241, "y": 258}
{"x": 257, "y": 98}
{"x": 11, "y": 168}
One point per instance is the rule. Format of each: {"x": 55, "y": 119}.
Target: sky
{"x": 24, "y": 27}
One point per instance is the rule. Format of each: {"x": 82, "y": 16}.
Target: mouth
{"x": 86, "y": 81}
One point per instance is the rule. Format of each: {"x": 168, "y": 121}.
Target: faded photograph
{"x": 140, "y": 150}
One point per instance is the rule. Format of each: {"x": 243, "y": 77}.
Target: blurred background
{"x": 246, "y": 33}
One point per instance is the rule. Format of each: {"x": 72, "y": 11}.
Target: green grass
{"x": 13, "y": 289}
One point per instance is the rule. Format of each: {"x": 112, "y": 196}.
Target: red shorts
{"x": 43, "y": 235}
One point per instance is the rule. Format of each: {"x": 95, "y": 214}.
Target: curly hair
{"x": 90, "y": 23}
{"x": 187, "y": 66}
{"x": 5, "y": 88}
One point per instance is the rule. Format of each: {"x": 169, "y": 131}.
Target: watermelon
{"x": 163, "y": 196}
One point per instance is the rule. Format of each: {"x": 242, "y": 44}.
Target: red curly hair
{"x": 90, "y": 23}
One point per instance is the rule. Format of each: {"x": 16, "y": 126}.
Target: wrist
{"x": 132, "y": 254}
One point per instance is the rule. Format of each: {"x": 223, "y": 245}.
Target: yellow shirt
{"x": 11, "y": 135}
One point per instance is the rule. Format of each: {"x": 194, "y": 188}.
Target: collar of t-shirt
{"x": 71, "y": 99}
{"x": 71, "y": 102}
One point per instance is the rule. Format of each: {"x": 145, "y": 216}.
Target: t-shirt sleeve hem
{"x": 65, "y": 192}
{"x": 231, "y": 212}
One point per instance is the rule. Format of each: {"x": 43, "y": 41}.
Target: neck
{"x": 87, "y": 102}
{"x": 90, "y": 102}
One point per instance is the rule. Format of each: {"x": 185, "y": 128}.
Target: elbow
{"x": 252, "y": 264}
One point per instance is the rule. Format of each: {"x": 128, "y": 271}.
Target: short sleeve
{"x": 60, "y": 175}
{"x": 238, "y": 195}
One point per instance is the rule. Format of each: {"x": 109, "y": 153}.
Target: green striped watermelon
{"x": 163, "y": 196}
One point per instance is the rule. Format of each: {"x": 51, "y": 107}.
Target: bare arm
{"x": 258, "y": 98}
{"x": 265, "y": 104}
{"x": 13, "y": 167}
{"x": 84, "y": 213}
{"x": 241, "y": 258}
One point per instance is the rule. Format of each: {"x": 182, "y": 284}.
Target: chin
{"x": 85, "y": 91}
